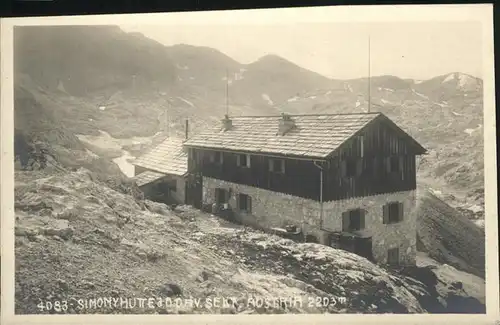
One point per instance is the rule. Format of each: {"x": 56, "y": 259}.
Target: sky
{"x": 417, "y": 50}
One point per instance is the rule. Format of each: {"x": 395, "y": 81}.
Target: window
{"x": 361, "y": 145}
{"x": 393, "y": 164}
{"x": 221, "y": 196}
{"x": 393, "y": 212}
{"x": 243, "y": 160}
{"x": 353, "y": 220}
{"x": 351, "y": 167}
{"x": 216, "y": 157}
{"x": 277, "y": 165}
{"x": 244, "y": 203}
{"x": 393, "y": 256}
{"x": 172, "y": 186}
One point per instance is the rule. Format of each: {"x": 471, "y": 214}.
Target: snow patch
{"x": 479, "y": 223}
{"x": 469, "y": 131}
{"x": 457, "y": 114}
{"x": 182, "y": 67}
{"x": 464, "y": 80}
{"x": 418, "y": 81}
{"x": 186, "y": 101}
{"x": 384, "y": 101}
{"x": 293, "y": 99}
{"x": 357, "y": 103}
{"x": 475, "y": 208}
{"x": 419, "y": 94}
{"x": 102, "y": 108}
{"x": 267, "y": 98}
{"x": 389, "y": 90}
{"x": 448, "y": 78}
{"x": 436, "y": 192}
{"x": 348, "y": 87}
{"x": 124, "y": 164}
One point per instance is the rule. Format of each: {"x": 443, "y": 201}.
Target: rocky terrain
{"x": 95, "y": 242}
{"x": 102, "y": 98}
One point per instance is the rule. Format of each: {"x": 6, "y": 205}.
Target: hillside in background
{"x": 104, "y": 79}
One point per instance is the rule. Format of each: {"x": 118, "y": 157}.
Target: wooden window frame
{"x": 347, "y": 217}
{"x": 272, "y": 166}
{"x": 247, "y": 160}
{"x": 397, "y": 254}
{"x": 214, "y": 155}
{"x": 387, "y": 216}
{"x": 248, "y": 203}
{"x": 390, "y": 166}
{"x": 358, "y": 166}
{"x": 226, "y": 195}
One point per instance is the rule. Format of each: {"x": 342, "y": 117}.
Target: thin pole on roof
{"x": 369, "y": 76}
{"x": 227, "y": 93}
{"x": 167, "y": 126}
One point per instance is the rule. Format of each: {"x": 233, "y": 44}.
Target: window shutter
{"x": 361, "y": 146}
{"x": 362, "y": 214}
{"x": 401, "y": 167}
{"x": 359, "y": 167}
{"x": 248, "y": 160}
{"x": 238, "y": 160}
{"x": 345, "y": 221}
{"x": 282, "y": 166}
{"x": 249, "y": 203}
{"x": 400, "y": 211}
{"x": 388, "y": 164}
{"x": 385, "y": 212}
{"x": 343, "y": 170}
{"x": 271, "y": 165}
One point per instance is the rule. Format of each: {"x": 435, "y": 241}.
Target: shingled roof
{"x": 314, "y": 136}
{"x": 167, "y": 158}
{"x": 147, "y": 177}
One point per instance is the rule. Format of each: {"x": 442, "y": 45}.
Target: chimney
{"x": 226, "y": 123}
{"x": 285, "y": 124}
{"x": 187, "y": 129}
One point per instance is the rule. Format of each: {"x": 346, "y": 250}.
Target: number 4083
{"x": 57, "y": 305}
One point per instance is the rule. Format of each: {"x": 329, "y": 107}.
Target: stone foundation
{"x": 271, "y": 209}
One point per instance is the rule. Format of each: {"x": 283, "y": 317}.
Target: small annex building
{"x": 161, "y": 173}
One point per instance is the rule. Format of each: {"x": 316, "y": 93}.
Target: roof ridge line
{"x": 317, "y": 114}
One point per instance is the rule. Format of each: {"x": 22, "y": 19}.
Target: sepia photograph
{"x": 238, "y": 168}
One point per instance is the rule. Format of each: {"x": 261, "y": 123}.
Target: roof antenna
{"x": 369, "y": 76}
{"x": 227, "y": 93}
{"x": 167, "y": 126}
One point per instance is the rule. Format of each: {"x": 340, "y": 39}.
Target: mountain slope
{"x": 77, "y": 239}
{"x": 449, "y": 237}
{"x": 90, "y": 60}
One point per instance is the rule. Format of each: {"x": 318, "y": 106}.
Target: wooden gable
{"x": 381, "y": 136}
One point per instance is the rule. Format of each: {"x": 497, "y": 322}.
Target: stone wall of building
{"x": 271, "y": 209}
{"x": 402, "y": 235}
